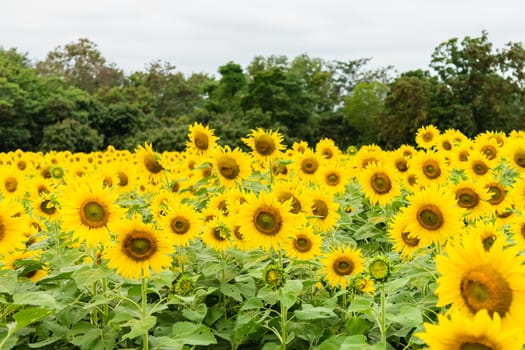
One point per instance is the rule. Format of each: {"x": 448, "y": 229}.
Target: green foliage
{"x": 70, "y": 134}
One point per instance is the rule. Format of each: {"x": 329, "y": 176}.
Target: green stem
{"x": 105, "y": 315}
{"x": 144, "y": 290}
{"x": 94, "y": 317}
{"x": 344, "y": 303}
{"x": 284, "y": 319}
{"x": 383, "y": 307}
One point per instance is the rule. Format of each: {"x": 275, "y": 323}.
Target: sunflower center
{"x": 2, "y": 232}
{"x": 488, "y": 242}
{"x": 21, "y": 164}
{"x": 401, "y": 165}
{"x": 47, "y": 207}
{"x": 489, "y": 151}
{"x": 428, "y": 136}
{"x": 467, "y": 198}
{"x": 446, "y": 145}
{"x": 343, "y": 266}
{"x": 519, "y": 158}
{"x": 139, "y": 245}
{"x": 123, "y": 179}
{"x": 497, "y": 193}
{"x": 264, "y": 145}
{"x": 228, "y": 167}
{"x": 152, "y": 164}
{"x": 332, "y": 179}
{"x": 408, "y": 240}
{"x": 320, "y": 209}
{"x": 479, "y": 167}
{"x": 237, "y": 233}
{"x": 522, "y": 230}
{"x": 219, "y": 234}
{"x": 11, "y": 184}
{"x": 93, "y": 215}
{"x": 200, "y": 140}
{"x": 268, "y": 220}
{"x": 485, "y": 288}
{"x": 381, "y": 184}
{"x": 431, "y": 169}
{"x": 474, "y": 346}
{"x": 430, "y": 217}
{"x": 302, "y": 243}
{"x": 327, "y": 153}
{"x": 296, "y": 205}
{"x": 412, "y": 180}
{"x": 463, "y": 156}
{"x": 309, "y": 165}
{"x": 179, "y": 225}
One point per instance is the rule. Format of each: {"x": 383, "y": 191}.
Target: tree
{"x": 72, "y": 135}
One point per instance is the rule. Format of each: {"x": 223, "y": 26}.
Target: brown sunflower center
{"x": 463, "y": 156}
{"x": 11, "y": 184}
{"x": 264, "y": 145}
{"x": 296, "y": 204}
{"x": 522, "y": 230}
{"x": 489, "y": 151}
{"x": 93, "y": 214}
{"x": 430, "y": 217}
{"x": 237, "y": 233}
{"x": 139, "y": 245}
{"x": 2, "y": 231}
{"x": 48, "y": 207}
{"x": 327, "y": 153}
{"x": 343, "y": 266}
{"x": 332, "y": 179}
{"x": 412, "y": 180}
{"x": 519, "y": 158}
{"x": 152, "y": 164}
{"x": 401, "y": 165}
{"x": 320, "y": 208}
{"x": 179, "y": 225}
{"x": 21, "y": 164}
{"x": 268, "y": 220}
{"x": 446, "y": 145}
{"x": 380, "y": 183}
{"x": 467, "y": 198}
{"x": 474, "y": 346}
{"x": 497, "y": 193}
{"x": 219, "y": 234}
{"x": 479, "y": 167}
{"x": 428, "y": 136}
{"x": 309, "y": 165}
{"x": 228, "y": 167}
{"x": 482, "y": 287}
{"x": 302, "y": 243}
{"x": 488, "y": 242}
{"x": 409, "y": 240}
{"x": 431, "y": 169}
{"x": 200, "y": 140}
{"x": 123, "y": 179}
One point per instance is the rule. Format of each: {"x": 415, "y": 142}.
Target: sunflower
{"x": 472, "y": 197}
{"x": 45, "y": 207}
{"x": 88, "y": 210}
{"x": 517, "y": 194}
{"x": 11, "y": 227}
{"x": 517, "y": 229}
{"x": 340, "y": 264}
{"x": 432, "y": 216}
{"x": 368, "y": 155}
{"x": 12, "y": 183}
{"x": 327, "y": 149}
{"x": 265, "y": 221}
{"x": 404, "y": 242}
{"x": 487, "y": 145}
{"x": 149, "y": 162}
{"x": 474, "y": 279}
{"x": 159, "y": 203}
{"x": 296, "y": 192}
{"x": 324, "y": 215}
{"x": 379, "y": 184}
{"x": 231, "y": 166}
{"x": 216, "y": 234}
{"x": 332, "y": 177}
{"x": 407, "y": 151}
{"x": 180, "y": 223}
{"x": 304, "y": 244}
{"x": 306, "y": 164}
{"x": 27, "y": 263}
{"x": 514, "y": 151}
{"x": 478, "y": 167}
{"x": 427, "y": 136}
{"x": 458, "y": 332}
{"x": 140, "y": 247}
{"x": 460, "y": 155}
{"x": 201, "y": 139}
{"x": 265, "y": 144}
{"x": 431, "y": 167}
{"x": 487, "y": 231}
{"x": 300, "y": 146}
{"x": 399, "y": 161}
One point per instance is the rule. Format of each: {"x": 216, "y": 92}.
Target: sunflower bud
{"x": 274, "y": 276}
{"x": 183, "y": 285}
{"x": 380, "y": 268}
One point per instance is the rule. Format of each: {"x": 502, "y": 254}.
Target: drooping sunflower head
{"x": 427, "y": 136}
{"x": 265, "y": 144}
{"x": 201, "y": 139}
{"x": 274, "y": 276}
{"x": 340, "y": 264}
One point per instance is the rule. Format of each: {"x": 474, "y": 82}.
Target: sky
{"x": 198, "y": 36}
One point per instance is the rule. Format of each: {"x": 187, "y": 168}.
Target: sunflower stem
{"x": 382, "y": 321}
{"x": 144, "y": 292}
{"x": 284, "y": 318}
{"x": 343, "y": 306}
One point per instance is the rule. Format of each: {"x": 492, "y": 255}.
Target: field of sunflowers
{"x": 306, "y": 247}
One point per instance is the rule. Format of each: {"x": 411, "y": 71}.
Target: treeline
{"x": 76, "y": 100}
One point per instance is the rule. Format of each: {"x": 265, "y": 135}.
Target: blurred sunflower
{"x": 483, "y": 332}
{"x": 460, "y": 155}
{"x": 517, "y": 229}
{"x": 327, "y": 149}
{"x": 514, "y": 152}
{"x": 181, "y": 223}
{"x": 296, "y": 192}
{"x": 306, "y": 164}
{"x": 231, "y": 166}
{"x": 366, "y": 156}
{"x": 201, "y": 139}
{"x": 216, "y": 234}
{"x": 149, "y": 162}
{"x": 487, "y": 145}
{"x": 140, "y": 247}
{"x": 473, "y": 198}
{"x": 427, "y": 136}
{"x": 499, "y": 201}
{"x": 404, "y": 242}
{"x": 478, "y": 167}
{"x": 27, "y": 263}
{"x": 517, "y": 194}
{"x": 399, "y": 161}
{"x": 324, "y": 215}
{"x": 11, "y": 227}
{"x": 431, "y": 167}
{"x": 332, "y": 177}
{"x": 12, "y": 183}
{"x": 265, "y": 144}
{"x": 487, "y": 231}
{"x": 378, "y": 183}
{"x": 88, "y": 211}
{"x": 340, "y": 264}
{"x": 474, "y": 279}
{"x": 304, "y": 244}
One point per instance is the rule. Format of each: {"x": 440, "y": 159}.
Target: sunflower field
{"x": 305, "y": 247}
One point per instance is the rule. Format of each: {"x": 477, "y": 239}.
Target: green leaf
{"x": 290, "y": 292}
{"x": 139, "y": 327}
{"x": 8, "y": 281}
{"x": 361, "y": 305}
{"x": 192, "y": 334}
{"x": 196, "y": 315}
{"x": 86, "y": 276}
{"x": 27, "y": 316}
{"x": 357, "y": 325}
{"x": 35, "y": 298}
{"x": 252, "y": 303}
{"x": 43, "y": 343}
{"x": 357, "y": 342}
{"x": 231, "y": 290}
{"x": 310, "y": 312}
{"x": 408, "y": 316}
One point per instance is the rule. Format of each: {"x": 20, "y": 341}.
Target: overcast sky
{"x": 201, "y": 35}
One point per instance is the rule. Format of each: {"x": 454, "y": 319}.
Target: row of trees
{"x": 76, "y": 100}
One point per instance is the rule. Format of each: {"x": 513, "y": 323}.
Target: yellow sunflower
{"x": 327, "y": 149}
{"x": 399, "y": 161}
{"x": 407, "y": 151}
{"x": 216, "y": 234}
{"x": 304, "y": 244}
{"x": 474, "y": 279}
{"x": 427, "y": 136}
{"x": 487, "y": 145}
{"x": 12, "y": 183}
{"x": 517, "y": 229}
{"x": 28, "y": 263}
{"x": 478, "y": 167}
{"x": 473, "y": 198}
{"x": 300, "y": 146}
{"x": 149, "y": 162}
{"x": 201, "y": 139}
{"x": 11, "y": 227}
{"x": 340, "y": 264}
{"x": 514, "y": 152}
{"x": 181, "y": 223}
{"x": 88, "y": 210}
{"x": 368, "y": 155}
{"x": 404, "y": 242}
{"x": 460, "y": 155}
{"x": 332, "y": 177}
{"x": 499, "y": 200}
{"x": 487, "y": 231}
{"x": 459, "y": 332}
{"x": 140, "y": 247}
{"x": 324, "y": 215}
{"x": 379, "y": 184}
{"x": 265, "y": 221}
{"x": 45, "y": 207}
{"x": 296, "y": 192}
{"x": 306, "y": 164}
{"x": 265, "y": 144}
{"x": 231, "y": 166}
{"x": 517, "y": 194}
{"x": 431, "y": 167}
{"x": 432, "y": 216}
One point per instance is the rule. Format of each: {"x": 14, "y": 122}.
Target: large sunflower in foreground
{"x": 378, "y": 183}
{"x": 265, "y": 221}
{"x": 340, "y": 264}
{"x": 458, "y": 332}
{"x": 432, "y": 216}
{"x": 11, "y": 227}
{"x": 265, "y": 144}
{"x": 140, "y": 247}
{"x": 89, "y": 211}
{"x": 474, "y": 279}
